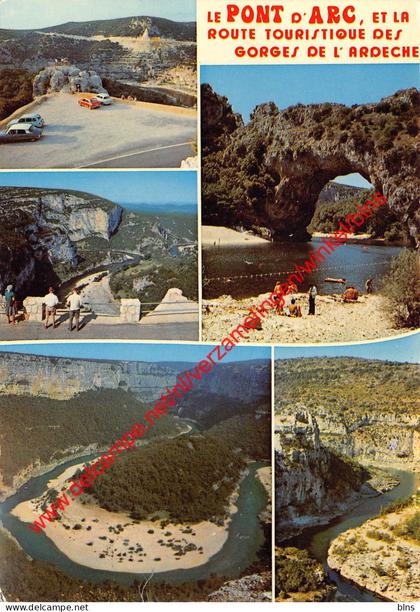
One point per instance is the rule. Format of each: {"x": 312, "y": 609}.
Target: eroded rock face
{"x": 271, "y": 171}
{"x": 309, "y": 488}
{"x": 43, "y": 226}
{"x": 136, "y": 50}
{"x": 62, "y": 378}
{"x": 256, "y": 587}
{"x": 369, "y": 424}
{"x": 68, "y": 79}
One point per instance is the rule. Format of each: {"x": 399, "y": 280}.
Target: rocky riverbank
{"x": 256, "y": 587}
{"x": 382, "y": 555}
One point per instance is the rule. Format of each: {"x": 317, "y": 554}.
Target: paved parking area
{"x": 113, "y": 136}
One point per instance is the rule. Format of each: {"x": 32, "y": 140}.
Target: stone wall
{"x": 130, "y": 311}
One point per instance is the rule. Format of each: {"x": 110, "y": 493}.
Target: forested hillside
{"x": 15, "y": 90}
{"x": 186, "y": 479}
{"x": 39, "y": 429}
{"x": 349, "y": 384}
{"x": 383, "y": 224}
{"x": 251, "y": 433}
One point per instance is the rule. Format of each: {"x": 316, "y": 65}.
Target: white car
{"x": 104, "y": 98}
{"x": 33, "y": 119}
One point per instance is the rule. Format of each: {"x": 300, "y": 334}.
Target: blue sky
{"x": 402, "y": 349}
{"x": 32, "y": 14}
{"x": 137, "y": 351}
{"x": 248, "y": 86}
{"x": 126, "y": 187}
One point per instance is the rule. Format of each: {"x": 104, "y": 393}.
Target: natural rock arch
{"x": 270, "y": 172}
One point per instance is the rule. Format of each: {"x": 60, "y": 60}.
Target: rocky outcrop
{"x": 189, "y": 163}
{"x": 336, "y": 192}
{"x": 41, "y": 228}
{"x": 271, "y": 171}
{"x": 138, "y": 50}
{"x": 62, "y": 378}
{"x": 256, "y": 587}
{"x": 381, "y": 556}
{"x": 67, "y": 79}
{"x": 218, "y": 121}
{"x": 355, "y": 406}
{"x": 374, "y": 439}
{"x": 312, "y": 484}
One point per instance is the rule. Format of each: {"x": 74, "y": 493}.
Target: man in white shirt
{"x": 50, "y": 301}
{"x": 74, "y": 303}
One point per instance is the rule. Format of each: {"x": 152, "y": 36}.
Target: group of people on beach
{"x": 50, "y": 302}
{"x": 291, "y": 309}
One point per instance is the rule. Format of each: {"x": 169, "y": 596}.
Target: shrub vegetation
{"x": 401, "y": 287}
{"x": 15, "y": 90}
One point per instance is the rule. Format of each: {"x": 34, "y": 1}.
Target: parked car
{"x": 32, "y": 119}
{"x": 90, "y": 103}
{"x": 20, "y": 133}
{"x": 104, "y": 99}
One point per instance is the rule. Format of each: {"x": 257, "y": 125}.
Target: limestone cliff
{"x": 365, "y": 409}
{"x": 62, "y": 378}
{"x": 312, "y": 484}
{"x": 271, "y": 171}
{"x": 42, "y": 226}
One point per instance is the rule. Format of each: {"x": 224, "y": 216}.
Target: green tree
{"x": 401, "y": 287}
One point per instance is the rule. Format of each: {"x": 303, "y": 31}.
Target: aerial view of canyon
{"x": 182, "y": 515}
{"x": 137, "y": 72}
{"x": 314, "y": 188}
{"x": 122, "y": 243}
{"x": 347, "y": 465}
{"x": 209, "y": 304}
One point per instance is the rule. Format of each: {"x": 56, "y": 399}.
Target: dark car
{"x": 20, "y": 133}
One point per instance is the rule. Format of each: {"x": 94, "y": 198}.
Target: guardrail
{"x": 128, "y": 310}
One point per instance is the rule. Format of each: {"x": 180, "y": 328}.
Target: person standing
{"x": 50, "y": 301}
{"x": 312, "y": 293}
{"x": 74, "y": 303}
{"x": 10, "y": 299}
{"x": 369, "y": 285}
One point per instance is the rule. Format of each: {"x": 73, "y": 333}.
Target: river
{"x": 245, "y": 538}
{"x": 317, "y": 539}
{"x": 261, "y": 265}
